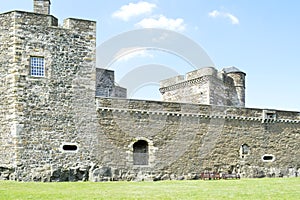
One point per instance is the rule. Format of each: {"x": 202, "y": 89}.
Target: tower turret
{"x": 42, "y": 6}
{"x": 239, "y": 82}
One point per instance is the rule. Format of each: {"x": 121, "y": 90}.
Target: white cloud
{"x": 134, "y": 54}
{"x": 134, "y": 9}
{"x": 162, "y": 22}
{"x": 233, "y": 19}
{"x": 214, "y": 13}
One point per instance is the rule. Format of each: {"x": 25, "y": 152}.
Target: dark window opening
{"x": 245, "y": 149}
{"x": 271, "y": 116}
{"x": 140, "y": 153}
{"x": 70, "y": 147}
{"x": 268, "y": 158}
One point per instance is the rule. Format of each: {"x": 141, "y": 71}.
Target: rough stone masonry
{"x": 61, "y": 121}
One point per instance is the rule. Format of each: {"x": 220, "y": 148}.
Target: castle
{"x": 64, "y": 120}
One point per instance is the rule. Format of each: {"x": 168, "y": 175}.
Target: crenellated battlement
{"x": 196, "y": 74}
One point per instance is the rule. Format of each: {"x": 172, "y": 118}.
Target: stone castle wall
{"x": 189, "y": 138}
{"x": 42, "y": 116}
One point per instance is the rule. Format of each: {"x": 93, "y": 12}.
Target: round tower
{"x": 238, "y": 78}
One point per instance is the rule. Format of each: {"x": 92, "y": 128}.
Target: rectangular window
{"x": 37, "y": 66}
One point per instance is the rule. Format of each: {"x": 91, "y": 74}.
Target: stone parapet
{"x": 32, "y": 19}
{"x": 80, "y": 25}
{"x": 196, "y": 110}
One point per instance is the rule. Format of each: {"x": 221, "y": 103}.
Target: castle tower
{"x": 47, "y": 76}
{"x": 239, "y": 83}
{"x": 42, "y": 6}
{"x": 207, "y": 86}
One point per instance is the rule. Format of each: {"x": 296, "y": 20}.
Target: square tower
{"x": 47, "y": 90}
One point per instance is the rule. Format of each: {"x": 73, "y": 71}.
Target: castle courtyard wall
{"x": 193, "y": 138}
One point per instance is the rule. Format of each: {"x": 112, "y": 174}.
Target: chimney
{"x": 41, "y": 6}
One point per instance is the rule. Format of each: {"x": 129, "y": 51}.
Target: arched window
{"x": 140, "y": 153}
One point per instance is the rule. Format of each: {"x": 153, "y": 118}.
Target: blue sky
{"x": 262, "y": 38}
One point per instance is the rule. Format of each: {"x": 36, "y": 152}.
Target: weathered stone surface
{"x": 39, "y": 115}
{"x": 190, "y": 138}
{"x": 42, "y": 6}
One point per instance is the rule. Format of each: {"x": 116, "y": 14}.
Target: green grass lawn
{"x": 218, "y": 189}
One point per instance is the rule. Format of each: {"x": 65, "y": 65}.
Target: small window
{"x": 268, "y": 158}
{"x": 69, "y": 147}
{"x": 245, "y": 149}
{"x": 37, "y": 66}
{"x": 269, "y": 115}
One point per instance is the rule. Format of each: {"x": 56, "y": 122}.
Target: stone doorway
{"x": 141, "y": 153}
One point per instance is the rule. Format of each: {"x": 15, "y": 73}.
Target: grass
{"x": 219, "y": 189}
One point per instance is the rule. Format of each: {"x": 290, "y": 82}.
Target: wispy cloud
{"x": 162, "y": 22}
{"x": 233, "y": 19}
{"x": 133, "y": 10}
{"x": 135, "y": 54}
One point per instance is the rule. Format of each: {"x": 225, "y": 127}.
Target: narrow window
{"x": 244, "y": 150}
{"x": 140, "y": 153}
{"x": 37, "y": 66}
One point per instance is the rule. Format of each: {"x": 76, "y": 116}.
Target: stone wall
{"x": 8, "y": 91}
{"x": 47, "y": 116}
{"x": 191, "y": 138}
